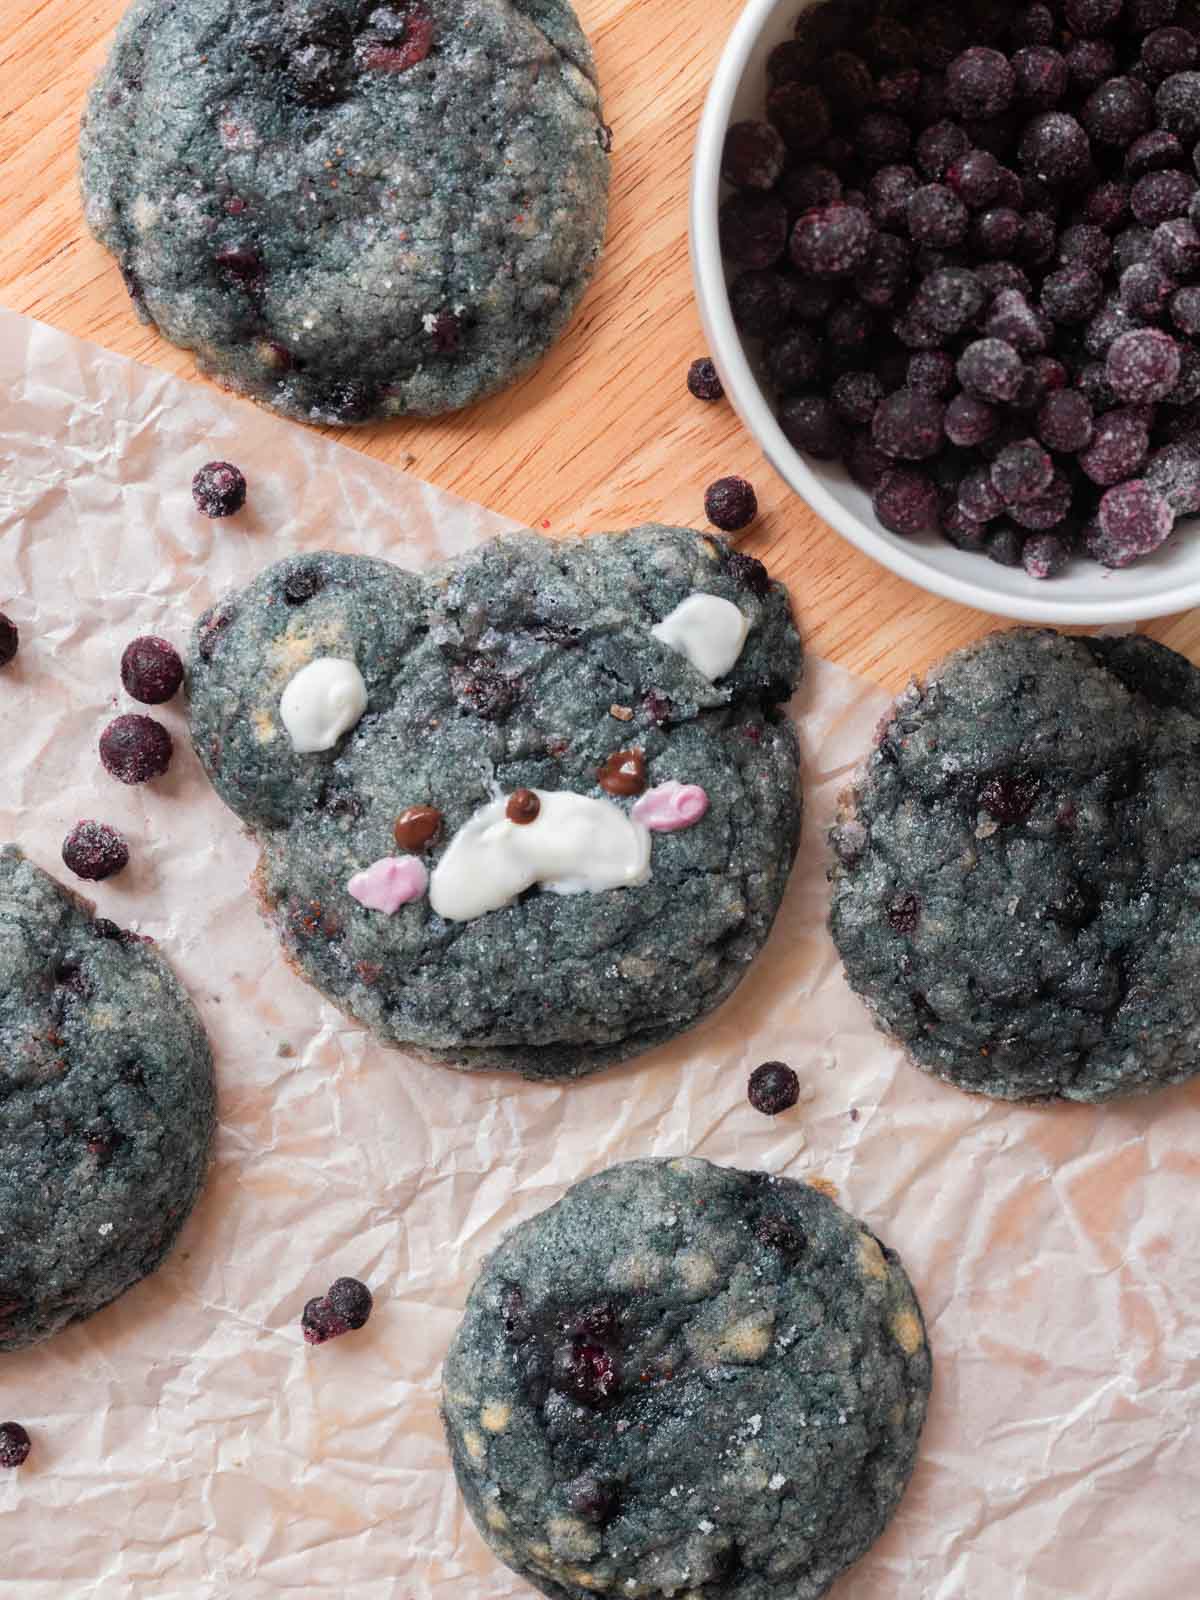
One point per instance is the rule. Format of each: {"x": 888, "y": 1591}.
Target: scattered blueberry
{"x": 1008, "y": 798}
{"x": 485, "y": 692}
{"x": 151, "y": 670}
{"x": 302, "y": 583}
{"x": 135, "y": 748}
{"x": 593, "y": 1500}
{"x": 748, "y": 573}
{"x": 219, "y": 489}
{"x": 730, "y": 504}
{"x": 704, "y": 381}
{"x": 345, "y": 1306}
{"x": 94, "y": 851}
{"x": 14, "y": 1444}
{"x": 773, "y": 1088}
{"x": 10, "y": 639}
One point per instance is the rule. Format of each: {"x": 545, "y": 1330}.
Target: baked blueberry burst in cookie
{"x": 686, "y": 1381}
{"x": 351, "y": 209}
{"x": 1017, "y": 887}
{"x": 106, "y": 1106}
{"x": 535, "y": 809}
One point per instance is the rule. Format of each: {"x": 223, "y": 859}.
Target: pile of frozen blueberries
{"x": 968, "y": 236}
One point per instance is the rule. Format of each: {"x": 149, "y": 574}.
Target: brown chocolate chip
{"x": 523, "y": 806}
{"x": 623, "y": 773}
{"x": 416, "y": 826}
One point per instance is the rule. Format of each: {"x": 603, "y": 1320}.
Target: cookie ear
{"x": 250, "y": 647}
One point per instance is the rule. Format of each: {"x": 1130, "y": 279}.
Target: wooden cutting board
{"x": 604, "y": 434}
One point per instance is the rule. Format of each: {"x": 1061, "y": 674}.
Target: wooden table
{"x": 604, "y": 434}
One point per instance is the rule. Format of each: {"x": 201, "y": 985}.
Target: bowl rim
{"x": 748, "y": 400}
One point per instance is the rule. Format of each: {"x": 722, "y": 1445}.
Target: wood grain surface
{"x": 604, "y": 434}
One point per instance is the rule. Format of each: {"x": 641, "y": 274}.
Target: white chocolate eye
{"x": 322, "y": 701}
{"x": 709, "y": 631}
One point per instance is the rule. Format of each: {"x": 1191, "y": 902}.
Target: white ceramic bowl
{"x": 1087, "y": 593}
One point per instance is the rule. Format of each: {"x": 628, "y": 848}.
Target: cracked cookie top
{"x": 503, "y": 820}
{"x": 685, "y": 1380}
{"x": 348, "y": 209}
{"x": 106, "y": 1106}
{"x": 1017, "y": 886}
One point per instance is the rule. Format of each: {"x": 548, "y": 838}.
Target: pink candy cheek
{"x": 671, "y": 806}
{"x": 389, "y": 884}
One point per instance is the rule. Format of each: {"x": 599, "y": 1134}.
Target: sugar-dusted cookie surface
{"x": 686, "y": 1380}
{"x": 1017, "y": 889}
{"x": 106, "y": 1107}
{"x": 351, "y": 210}
{"x": 338, "y": 698}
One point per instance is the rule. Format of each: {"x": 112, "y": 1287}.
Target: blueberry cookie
{"x": 684, "y": 1380}
{"x": 106, "y": 1107}
{"x": 351, "y": 209}
{"x": 534, "y": 810}
{"x": 1017, "y": 887}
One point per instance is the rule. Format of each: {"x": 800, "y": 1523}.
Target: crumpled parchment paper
{"x": 187, "y": 1442}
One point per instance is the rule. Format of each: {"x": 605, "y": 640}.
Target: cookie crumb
{"x": 622, "y": 713}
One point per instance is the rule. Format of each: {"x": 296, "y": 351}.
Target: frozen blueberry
{"x": 855, "y": 395}
{"x": 975, "y": 179}
{"x": 1004, "y": 545}
{"x": 151, "y": 670}
{"x": 1174, "y": 473}
{"x": 1176, "y": 248}
{"x": 1033, "y": 24}
{"x": 931, "y": 372}
{"x": 801, "y": 113}
{"x": 962, "y": 531}
{"x": 1167, "y": 51}
{"x": 14, "y": 1444}
{"x": 1090, "y": 61}
{"x": 865, "y": 461}
{"x": 1021, "y": 471}
{"x": 1178, "y": 105}
{"x": 1045, "y": 555}
{"x": 1141, "y": 15}
{"x": 908, "y": 425}
{"x": 1039, "y": 238}
{"x": 704, "y": 381}
{"x": 134, "y": 749}
{"x": 1160, "y": 196}
{"x": 980, "y": 83}
{"x": 758, "y": 303}
{"x": 1107, "y": 204}
{"x": 1120, "y": 442}
{"x": 939, "y": 147}
{"x": 1055, "y": 149}
{"x": 808, "y": 187}
{"x": 848, "y": 84}
{"x": 1047, "y": 510}
{"x": 850, "y": 329}
{"x": 950, "y": 299}
{"x": 94, "y": 851}
{"x": 219, "y": 489}
{"x": 936, "y": 216}
{"x": 1134, "y": 520}
{"x": 1090, "y": 17}
{"x": 888, "y": 192}
{"x": 1143, "y": 366}
{"x": 753, "y": 228}
{"x": 991, "y": 370}
{"x": 10, "y": 640}
{"x": 1064, "y": 423}
{"x": 1041, "y": 76}
{"x": 969, "y": 422}
{"x": 1118, "y": 112}
{"x": 754, "y": 155}
{"x": 886, "y": 271}
{"x": 1013, "y": 320}
{"x": 1185, "y": 311}
{"x": 1145, "y": 290}
{"x": 907, "y": 502}
{"x": 978, "y": 498}
{"x": 997, "y": 232}
{"x": 834, "y": 242}
{"x": 810, "y": 423}
{"x": 1084, "y": 245}
{"x": 593, "y": 1500}
{"x": 1132, "y": 246}
{"x": 795, "y": 361}
{"x": 1072, "y": 294}
{"x": 730, "y": 504}
{"x": 883, "y": 138}
{"x": 773, "y": 1088}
